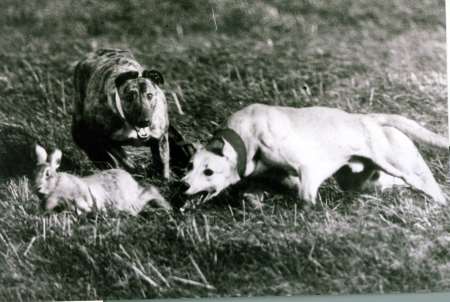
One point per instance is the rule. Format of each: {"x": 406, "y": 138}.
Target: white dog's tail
{"x": 411, "y": 129}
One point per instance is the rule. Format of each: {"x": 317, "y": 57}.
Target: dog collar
{"x": 238, "y": 145}
{"x": 119, "y": 106}
{"x": 118, "y": 102}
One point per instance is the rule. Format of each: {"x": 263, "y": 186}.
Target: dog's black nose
{"x": 184, "y": 186}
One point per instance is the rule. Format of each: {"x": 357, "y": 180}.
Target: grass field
{"x": 217, "y": 56}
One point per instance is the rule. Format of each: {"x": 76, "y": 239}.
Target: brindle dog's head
{"x": 142, "y": 102}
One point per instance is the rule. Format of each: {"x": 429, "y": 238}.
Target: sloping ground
{"x": 362, "y": 56}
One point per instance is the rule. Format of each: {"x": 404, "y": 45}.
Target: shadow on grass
{"x": 17, "y": 157}
{"x": 16, "y": 151}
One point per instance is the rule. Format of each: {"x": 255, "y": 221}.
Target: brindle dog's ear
{"x": 153, "y": 75}
{"x": 123, "y": 77}
{"x": 215, "y": 146}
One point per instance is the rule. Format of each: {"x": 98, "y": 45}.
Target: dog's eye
{"x": 150, "y": 95}
{"x": 208, "y": 172}
{"x": 47, "y": 173}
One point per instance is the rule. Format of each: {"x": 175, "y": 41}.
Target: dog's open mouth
{"x": 143, "y": 133}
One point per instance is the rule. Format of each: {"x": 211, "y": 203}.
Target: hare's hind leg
{"x": 151, "y": 194}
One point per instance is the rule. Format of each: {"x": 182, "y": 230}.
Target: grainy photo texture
{"x": 175, "y": 149}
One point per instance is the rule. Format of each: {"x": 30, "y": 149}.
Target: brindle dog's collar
{"x": 118, "y": 104}
{"x": 238, "y": 145}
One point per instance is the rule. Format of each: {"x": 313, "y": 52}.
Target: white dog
{"x": 312, "y": 144}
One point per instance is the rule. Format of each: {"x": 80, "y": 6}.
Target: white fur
{"x": 223, "y": 167}
{"x": 311, "y": 144}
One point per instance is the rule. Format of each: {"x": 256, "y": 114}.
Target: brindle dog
{"x": 117, "y": 103}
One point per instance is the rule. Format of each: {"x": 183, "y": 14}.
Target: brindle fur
{"x": 97, "y": 121}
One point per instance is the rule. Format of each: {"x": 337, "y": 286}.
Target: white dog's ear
{"x": 216, "y": 146}
{"x": 229, "y": 152}
{"x": 55, "y": 159}
{"x": 41, "y": 154}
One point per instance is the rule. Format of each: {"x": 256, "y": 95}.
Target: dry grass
{"x": 361, "y": 56}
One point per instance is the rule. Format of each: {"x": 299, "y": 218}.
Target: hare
{"x": 114, "y": 188}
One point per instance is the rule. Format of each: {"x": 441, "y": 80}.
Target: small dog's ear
{"x": 41, "y": 154}
{"x": 229, "y": 152}
{"x": 123, "y": 77}
{"x": 154, "y": 75}
{"x": 216, "y": 146}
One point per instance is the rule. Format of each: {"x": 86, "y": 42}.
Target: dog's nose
{"x": 184, "y": 186}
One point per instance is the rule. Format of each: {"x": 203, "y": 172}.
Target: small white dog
{"x": 113, "y": 188}
{"x": 312, "y": 144}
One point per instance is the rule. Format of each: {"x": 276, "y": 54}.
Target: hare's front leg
{"x": 83, "y": 205}
{"x": 50, "y": 203}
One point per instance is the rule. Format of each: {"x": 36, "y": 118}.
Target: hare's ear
{"x": 55, "y": 159}
{"x": 197, "y": 145}
{"x": 41, "y": 155}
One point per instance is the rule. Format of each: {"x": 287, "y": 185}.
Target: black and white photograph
{"x": 223, "y": 148}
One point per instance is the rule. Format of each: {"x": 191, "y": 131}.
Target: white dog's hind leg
{"x": 403, "y": 156}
